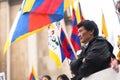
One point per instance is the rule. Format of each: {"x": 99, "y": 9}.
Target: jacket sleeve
{"x": 98, "y": 58}
{"x": 111, "y": 49}
{"x": 74, "y": 65}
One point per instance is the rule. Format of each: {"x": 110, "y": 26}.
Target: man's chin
{"x": 82, "y": 41}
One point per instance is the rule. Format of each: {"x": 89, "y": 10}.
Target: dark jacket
{"x": 97, "y": 56}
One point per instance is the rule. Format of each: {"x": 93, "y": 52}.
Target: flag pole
{"x": 115, "y": 8}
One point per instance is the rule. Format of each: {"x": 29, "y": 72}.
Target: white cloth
{"x": 106, "y": 74}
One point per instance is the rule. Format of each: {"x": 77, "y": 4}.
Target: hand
{"x": 114, "y": 64}
{"x": 83, "y": 60}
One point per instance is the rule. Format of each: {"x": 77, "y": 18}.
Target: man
{"x": 96, "y": 53}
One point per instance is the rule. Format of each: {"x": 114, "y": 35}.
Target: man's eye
{"x": 80, "y": 30}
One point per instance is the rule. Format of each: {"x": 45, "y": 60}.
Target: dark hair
{"x": 89, "y": 26}
{"x": 63, "y": 77}
{"x": 47, "y": 76}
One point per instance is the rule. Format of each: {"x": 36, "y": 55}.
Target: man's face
{"x": 84, "y": 35}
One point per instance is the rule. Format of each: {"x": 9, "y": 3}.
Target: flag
{"x": 33, "y": 16}
{"x": 33, "y": 74}
{"x": 67, "y": 49}
{"x": 75, "y": 40}
{"x": 55, "y": 50}
{"x": 118, "y": 43}
{"x": 67, "y": 4}
{"x": 79, "y": 13}
{"x": 74, "y": 35}
{"x": 118, "y": 55}
{"x": 104, "y": 28}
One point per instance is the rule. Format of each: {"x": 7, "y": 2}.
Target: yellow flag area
{"x": 77, "y": 15}
{"x": 33, "y": 75}
{"x": 118, "y": 43}
{"x": 118, "y": 55}
{"x": 28, "y": 5}
{"x": 78, "y": 12}
{"x": 68, "y": 3}
{"x": 104, "y": 28}
{"x": 55, "y": 57}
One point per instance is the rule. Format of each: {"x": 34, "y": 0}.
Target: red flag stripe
{"x": 49, "y": 6}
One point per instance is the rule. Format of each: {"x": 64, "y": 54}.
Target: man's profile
{"x": 96, "y": 53}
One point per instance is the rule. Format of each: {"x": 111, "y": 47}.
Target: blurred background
{"x": 33, "y": 50}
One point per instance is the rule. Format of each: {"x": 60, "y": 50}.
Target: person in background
{"x": 45, "y": 77}
{"x": 97, "y": 53}
{"x": 62, "y": 77}
{"x": 118, "y": 7}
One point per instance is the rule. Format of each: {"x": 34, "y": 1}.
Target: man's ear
{"x": 92, "y": 32}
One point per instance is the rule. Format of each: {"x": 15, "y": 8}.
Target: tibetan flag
{"x": 33, "y": 74}
{"x": 74, "y": 35}
{"x": 79, "y": 13}
{"x": 104, "y": 28}
{"x": 55, "y": 50}
{"x": 67, "y": 49}
{"x": 33, "y": 16}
